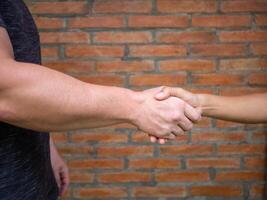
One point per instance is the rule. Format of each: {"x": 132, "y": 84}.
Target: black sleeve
{"x": 2, "y": 23}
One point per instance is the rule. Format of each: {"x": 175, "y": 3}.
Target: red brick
{"x": 49, "y": 51}
{"x": 70, "y": 66}
{"x": 155, "y": 163}
{"x": 81, "y": 177}
{"x": 64, "y": 37}
{"x": 258, "y": 191}
{"x": 186, "y": 6}
{"x": 182, "y": 176}
{"x": 99, "y": 137}
{"x": 244, "y": 6}
{"x": 124, "y": 66}
{"x": 96, "y": 22}
{"x": 255, "y": 162}
{"x": 96, "y": 164}
{"x": 217, "y": 136}
{"x": 122, "y": 6}
{"x": 259, "y": 49}
{"x": 94, "y": 51}
{"x": 157, "y": 80}
{"x": 243, "y": 64}
{"x": 259, "y": 135}
{"x": 71, "y": 150}
{"x": 159, "y": 191}
{"x": 187, "y": 65}
{"x": 241, "y": 149}
{"x": 101, "y": 192}
{"x": 261, "y": 20}
{"x": 59, "y": 137}
{"x": 124, "y": 177}
{"x": 157, "y": 50}
{"x": 123, "y": 37}
{"x": 120, "y": 151}
{"x": 243, "y": 36}
{"x": 218, "y": 50}
{"x": 110, "y": 80}
{"x": 216, "y": 190}
{"x": 217, "y": 79}
{"x": 221, "y": 21}
{"x": 189, "y": 150}
{"x": 186, "y": 37}
{"x": 213, "y": 162}
{"x": 49, "y": 23}
{"x": 258, "y": 79}
{"x": 157, "y": 21}
{"x": 240, "y": 176}
{"x": 64, "y": 8}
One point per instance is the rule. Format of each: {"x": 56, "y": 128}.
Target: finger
{"x": 161, "y": 141}
{"x": 192, "y": 113}
{"x": 57, "y": 177}
{"x": 64, "y": 177}
{"x": 177, "y": 130}
{"x": 163, "y": 94}
{"x": 185, "y": 124}
{"x": 153, "y": 139}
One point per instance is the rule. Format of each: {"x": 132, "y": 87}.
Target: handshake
{"x": 166, "y": 112}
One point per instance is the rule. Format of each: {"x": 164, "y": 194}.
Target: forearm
{"x": 246, "y": 109}
{"x": 38, "y": 98}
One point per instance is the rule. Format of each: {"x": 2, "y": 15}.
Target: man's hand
{"x": 60, "y": 169}
{"x": 163, "y": 119}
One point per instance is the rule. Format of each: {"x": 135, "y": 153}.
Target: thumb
{"x": 163, "y": 94}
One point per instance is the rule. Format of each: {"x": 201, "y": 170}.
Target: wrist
{"x": 206, "y": 104}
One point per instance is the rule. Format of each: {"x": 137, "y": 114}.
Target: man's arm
{"x": 245, "y": 109}
{"x": 35, "y": 97}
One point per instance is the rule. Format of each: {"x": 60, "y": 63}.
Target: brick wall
{"x": 211, "y": 46}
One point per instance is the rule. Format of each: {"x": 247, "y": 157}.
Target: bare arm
{"x": 35, "y": 97}
{"x": 246, "y": 109}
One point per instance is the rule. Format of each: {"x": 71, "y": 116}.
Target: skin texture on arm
{"x": 245, "y": 109}
{"x": 38, "y": 98}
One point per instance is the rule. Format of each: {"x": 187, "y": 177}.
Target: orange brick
{"x": 64, "y": 37}
{"x": 124, "y": 66}
{"x": 240, "y": 176}
{"x": 71, "y": 150}
{"x": 217, "y": 79}
{"x": 101, "y": 192}
{"x": 187, "y": 65}
{"x": 259, "y": 135}
{"x": 155, "y": 163}
{"x": 124, "y": 177}
{"x": 157, "y": 21}
{"x": 221, "y": 21}
{"x": 243, "y": 36}
{"x": 186, "y": 37}
{"x": 123, "y": 37}
{"x": 70, "y": 66}
{"x": 259, "y": 49}
{"x": 63, "y": 8}
{"x": 96, "y": 164}
{"x": 217, "y": 136}
{"x": 258, "y": 79}
{"x": 120, "y": 151}
{"x": 101, "y": 137}
{"x": 93, "y": 51}
{"x": 49, "y": 23}
{"x": 218, "y": 50}
{"x": 244, "y": 6}
{"x": 258, "y": 191}
{"x": 81, "y": 177}
{"x": 49, "y": 51}
{"x": 159, "y": 191}
{"x": 157, "y": 50}
{"x": 255, "y": 162}
{"x": 110, "y": 80}
{"x": 186, "y": 150}
{"x": 213, "y": 162}
{"x": 59, "y": 137}
{"x": 261, "y": 20}
{"x": 241, "y": 149}
{"x": 96, "y": 22}
{"x": 122, "y": 6}
{"x": 186, "y": 6}
{"x": 157, "y": 80}
{"x": 216, "y": 190}
{"x": 186, "y": 176}
{"x": 243, "y": 64}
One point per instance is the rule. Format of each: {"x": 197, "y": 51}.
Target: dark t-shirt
{"x": 25, "y": 167}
